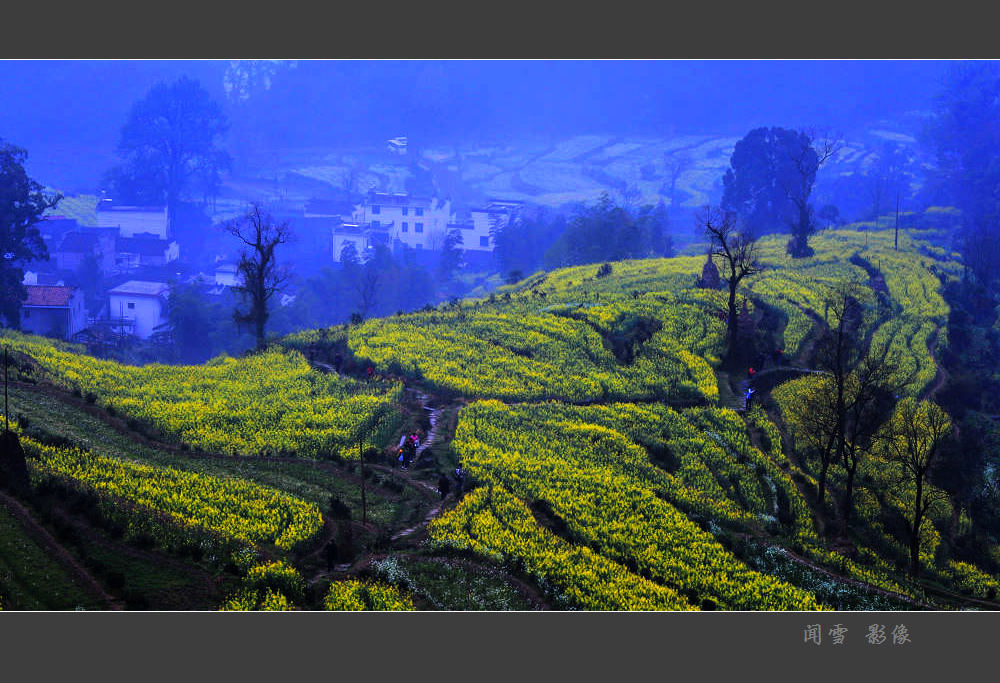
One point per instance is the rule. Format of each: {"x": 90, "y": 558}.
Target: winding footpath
{"x": 434, "y": 415}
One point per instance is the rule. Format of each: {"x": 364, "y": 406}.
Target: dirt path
{"x": 942, "y": 375}
{"x": 42, "y": 537}
{"x": 844, "y": 579}
{"x": 434, "y": 415}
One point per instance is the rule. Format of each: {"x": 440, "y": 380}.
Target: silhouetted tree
{"x": 22, "y": 204}
{"x": 451, "y": 255}
{"x": 194, "y": 322}
{"x": 349, "y": 255}
{"x": 737, "y": 252}
{"x": 168, "y": 146}
{"x": 916, "y": 433}
{"x": 808, "y": 152}
{"x": 761, "y": 167}
{"x": 770, "y": 180}
{"x": 261, "y": 276}
{"x": 838, "y": 351}
{"x": 522, "y": 244}
{"x": 367, "y": 283}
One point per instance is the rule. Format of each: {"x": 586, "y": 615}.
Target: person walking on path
{"x": 443, "y": 486}
{"x": 409, "y": 450}
{"x": 750, "y": 393}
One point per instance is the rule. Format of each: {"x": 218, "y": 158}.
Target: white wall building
{"x": 488, "y": 221}
{"x": 141, "y": 305}
{"x": 421, "y": 223}
{"x": 416, "y": 222}
{"x": 226, "y": 275}
{"x": 397, "y": 145}
{"x": 133, "y": 220}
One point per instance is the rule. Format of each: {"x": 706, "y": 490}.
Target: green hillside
{"x": 609, "y": 463}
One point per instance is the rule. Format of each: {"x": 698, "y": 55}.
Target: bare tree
{"x": 837, "y": 352}
{"x": 366, "y": 284}
{"x": 813, "y": 419}
{"x": 676, "y": 164}
{"x": 869, "y": 396}
{"x": 630, "y": 195}
{"x": 915, "y": 435}
{"x": 808, "y": 155}
{"x": 738, "y": 253}
{"x": 261, "y": 277}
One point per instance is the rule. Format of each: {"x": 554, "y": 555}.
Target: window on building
{"x": 484, "y": 241}
{"x": 131, "y": 305}
{"x": 420, "y": 211}
{"x": 376, "y": 224}
{"x": 376, "y": 208}
{"x": 418, "y": 227}
{"x": 27, "y": 313}
{"x": 420, "y": 246}
{"x": 406, "y": 210}
{"x": 406, "y": 226}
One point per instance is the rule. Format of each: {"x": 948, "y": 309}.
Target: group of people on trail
{"x": 407, "y": 450}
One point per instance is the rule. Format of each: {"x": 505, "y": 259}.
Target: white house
{"x": 226, "y": 275}
{"x": 139, "y": 305}
{"x": 488, "y": 221}
{"x": 133, "y": 220}
{"x": 397, "y": 145}
{"x": 416, "y": 222}
{"x": 135, "y": 252}
{"x": 420, "y": 223}
{"x": 53, "y": 311}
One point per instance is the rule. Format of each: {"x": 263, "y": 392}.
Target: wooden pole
{"x": 896, "y": 243}
{"x": 364, "y": 505}
{"x": 6, "y": 422}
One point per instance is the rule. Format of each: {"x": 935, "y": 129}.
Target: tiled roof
{"x": 144, "y": 246}
{"x": 47, "y": 295}
{"x": 387, "y": 199}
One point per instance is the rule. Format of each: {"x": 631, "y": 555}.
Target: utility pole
{"x": 6, "y": 421}
{"x": 896, "y": 243}
{"x": 361, "y": 455}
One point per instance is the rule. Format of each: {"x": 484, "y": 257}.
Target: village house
{"x": 349, "y": 234}
{"x": 397, "y": 145}
{"x": 420, "y": 223}
{"x": 75, "y": 248}
{"x": 135, "y": 252}
{"x": 226, "y": 275}
{"x": 490, "y": 220}
{"x": 131, "y": 221}
{"x": 53, "y": 228}
{"x": 53, "y": 311}
{"x": 138, "y": 307}
{"x": 415, "y": 222}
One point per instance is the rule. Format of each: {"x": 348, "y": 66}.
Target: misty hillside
{"x": 500, "y": 335}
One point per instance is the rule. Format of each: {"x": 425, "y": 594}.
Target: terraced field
{"x": 601, "y": 468}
